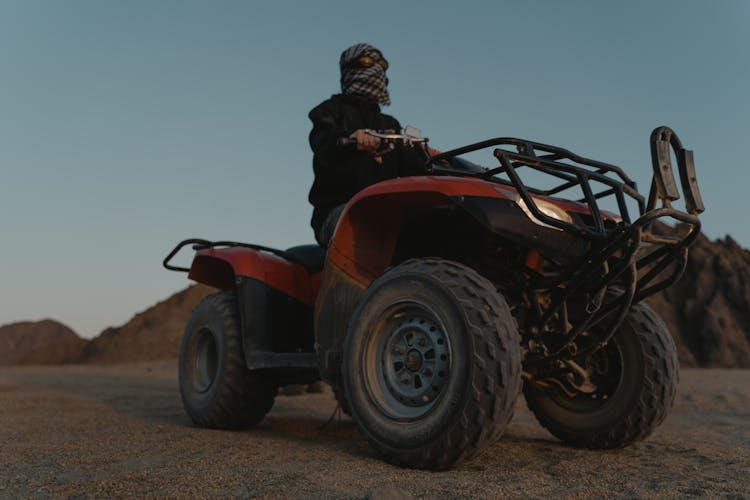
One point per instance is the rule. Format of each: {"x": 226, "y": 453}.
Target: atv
{"x": 441, "y": 297}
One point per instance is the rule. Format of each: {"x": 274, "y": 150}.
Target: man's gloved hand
{"x": 365, "y": 141}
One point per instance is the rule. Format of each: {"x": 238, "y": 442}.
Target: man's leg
{"x": 329, "y": 226}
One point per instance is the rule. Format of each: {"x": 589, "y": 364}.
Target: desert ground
{"x": 120, "y": 430}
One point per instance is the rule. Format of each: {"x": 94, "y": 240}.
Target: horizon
{"x": 128, "y": 127}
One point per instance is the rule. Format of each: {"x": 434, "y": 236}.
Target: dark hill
{"x": 18, "y": 340}
{"x": 707, "y": 311}
{"x": 150, "y": 335}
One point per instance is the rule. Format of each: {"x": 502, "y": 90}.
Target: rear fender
{"x": 275, "y": 296}
{"x": 220, "y": 267}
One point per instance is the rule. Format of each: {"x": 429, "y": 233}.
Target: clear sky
{"x": 128, "y": 126}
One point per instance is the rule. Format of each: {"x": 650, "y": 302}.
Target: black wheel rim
{"x": 206, "y": 360}
{"x": 406, "y": 362}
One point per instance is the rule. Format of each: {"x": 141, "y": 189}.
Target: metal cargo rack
{"x": 613, "y": 258}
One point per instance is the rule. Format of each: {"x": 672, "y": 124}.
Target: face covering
{"x": 363, "y": 73}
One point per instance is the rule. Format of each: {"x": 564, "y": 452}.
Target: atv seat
{"x": 311, "y": 256}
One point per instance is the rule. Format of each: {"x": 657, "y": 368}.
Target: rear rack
{"x": 613, "y": 255}
{"x": 199, "y": 244}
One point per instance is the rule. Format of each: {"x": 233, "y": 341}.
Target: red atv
{"x": 442, "y": 296}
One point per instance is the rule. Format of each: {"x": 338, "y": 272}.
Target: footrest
{"x": 286, "y": 360}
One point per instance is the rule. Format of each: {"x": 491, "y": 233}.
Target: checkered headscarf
{"x": 370, "y": 83}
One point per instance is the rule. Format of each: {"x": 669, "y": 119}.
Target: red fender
{"x": 218, "y": 268}
{"x": 366, "y": 234}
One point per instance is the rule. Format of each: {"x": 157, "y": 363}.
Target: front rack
{"x": 613, "y": 257}
{"x": 582, "y": 171}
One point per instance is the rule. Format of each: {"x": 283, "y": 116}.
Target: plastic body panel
{"x": 366, "y": 234}
{"x": 218, "y": 267}
{"x": 275, "y": 299}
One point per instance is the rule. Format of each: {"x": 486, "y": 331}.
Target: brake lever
{"x": 388, "y": 141}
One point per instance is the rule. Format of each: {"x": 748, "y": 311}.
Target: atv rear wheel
{"x": 636, "y": 375}
{"x": 217, "y": 389}
{"x": 431, "y": 364}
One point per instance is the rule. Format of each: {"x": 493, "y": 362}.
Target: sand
{"x": 102, "y": 431}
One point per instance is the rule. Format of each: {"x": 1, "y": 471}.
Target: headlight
{"x": 547, "y": 208}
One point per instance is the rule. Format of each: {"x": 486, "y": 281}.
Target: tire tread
{"x": 496, "y": 380}
{"x": 244, "y": 397}
{"x": 657, "y": 393}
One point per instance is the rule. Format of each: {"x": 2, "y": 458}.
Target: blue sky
{"x": 128, "y": 126}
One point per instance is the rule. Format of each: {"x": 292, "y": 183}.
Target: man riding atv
{"x": 341, "y": 172}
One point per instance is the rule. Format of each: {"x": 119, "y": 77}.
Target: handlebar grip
{"x": 346, "y": 142}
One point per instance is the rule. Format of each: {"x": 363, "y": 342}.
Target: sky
{"x": 126, "y": 127}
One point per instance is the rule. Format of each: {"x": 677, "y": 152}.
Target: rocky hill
{"x": 707, "y": 311}
{"x": 149, "y": 335}
{"x": 19, "y": 340}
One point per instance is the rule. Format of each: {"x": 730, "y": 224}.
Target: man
{"x": 342, "y": 172}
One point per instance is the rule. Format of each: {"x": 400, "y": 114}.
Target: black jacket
{"x": 342, "y": 173}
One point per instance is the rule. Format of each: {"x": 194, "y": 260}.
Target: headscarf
{"x": 369, "y": 83}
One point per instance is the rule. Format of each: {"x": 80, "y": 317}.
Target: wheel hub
{"x": 205, "y": 366}
{"x": 414, "y": 360}
{"x": 415, "y": 363}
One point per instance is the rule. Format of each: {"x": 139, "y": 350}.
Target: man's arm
{"x": 327, "y": 130}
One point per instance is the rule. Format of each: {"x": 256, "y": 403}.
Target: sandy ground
{"x": 105, "y": 431}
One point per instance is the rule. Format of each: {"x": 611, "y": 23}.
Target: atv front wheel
{"x": 636, "y": 377}
{"x": 217, "y": 389}
{"x": 431, "y": 364}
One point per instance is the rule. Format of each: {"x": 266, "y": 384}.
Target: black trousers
{"x": 329, "y": 226}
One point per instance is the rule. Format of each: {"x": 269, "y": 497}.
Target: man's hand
{"x": 365, "y": 141}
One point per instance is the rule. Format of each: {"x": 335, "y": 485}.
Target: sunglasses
{"x": 368, "y": 62}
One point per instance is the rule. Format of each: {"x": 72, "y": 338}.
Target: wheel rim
{"x": 206, "y": 361}
{"x": 406, "y": 361}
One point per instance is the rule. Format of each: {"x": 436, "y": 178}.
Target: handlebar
{"x": 388, "y": 139}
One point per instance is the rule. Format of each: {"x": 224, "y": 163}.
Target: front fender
{"x": 368, "y": 229}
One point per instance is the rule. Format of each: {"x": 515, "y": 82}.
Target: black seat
{"x": 311, "y": 256}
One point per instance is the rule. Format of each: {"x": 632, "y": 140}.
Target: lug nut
{"x": 422, "y": 342}
{"x": 404, "y": 379}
